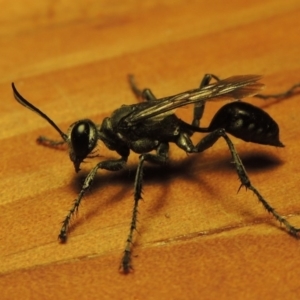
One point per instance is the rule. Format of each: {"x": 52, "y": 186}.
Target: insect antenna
{"x": 30, "y": 106}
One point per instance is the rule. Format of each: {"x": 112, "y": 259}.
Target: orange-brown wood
{"x": 198, "y": 238}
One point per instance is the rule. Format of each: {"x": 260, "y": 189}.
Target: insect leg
{"x": 289, "y": 93}
{"x": 110, "y": 165}
{"x": 144, "y": 95}
{"x": 48, "y": 142}
{"x": 160, "y": 158}
{"x": 199, "y": 107}
{"x": 185, "y": 143}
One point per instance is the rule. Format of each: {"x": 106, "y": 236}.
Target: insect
{"x": 152, "y": 125}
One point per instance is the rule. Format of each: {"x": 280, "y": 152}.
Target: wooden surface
{"x": 198, "y": 238}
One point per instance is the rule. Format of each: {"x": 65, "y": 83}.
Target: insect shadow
{"x": 153, "y": 175}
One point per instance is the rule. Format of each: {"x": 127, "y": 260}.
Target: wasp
{"x": 151, "y": 125}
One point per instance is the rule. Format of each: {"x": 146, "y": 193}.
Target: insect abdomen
{"x": 247, "y": 122}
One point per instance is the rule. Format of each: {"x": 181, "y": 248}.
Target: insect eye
{"x": 82, "y": 140}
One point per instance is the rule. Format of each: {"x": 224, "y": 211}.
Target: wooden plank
{"x": 197, "y": 237}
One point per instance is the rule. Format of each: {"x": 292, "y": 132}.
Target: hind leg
{"x": 185, "y": 143}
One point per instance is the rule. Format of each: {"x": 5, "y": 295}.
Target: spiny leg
{"x": 289, "y": 93}
{"x": 160, "y": 158}
{"x": 110, "y": 165}
{"x": 144, "y": 95}
{"x": 49, "y": 143}
{"x": 185, "y": 143}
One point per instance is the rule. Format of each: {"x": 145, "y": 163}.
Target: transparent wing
{"x": 232, "y": 88}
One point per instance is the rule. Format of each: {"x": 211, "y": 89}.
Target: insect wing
{"x": 232, "y": 88}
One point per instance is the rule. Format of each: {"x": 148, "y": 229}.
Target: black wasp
{"x": 152, "y": 125}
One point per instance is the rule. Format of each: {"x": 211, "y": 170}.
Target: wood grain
{"x": 198, "y": 238}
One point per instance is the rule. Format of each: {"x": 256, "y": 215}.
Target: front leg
{"x": 161, "y": 159}
{"x": 49, "y": 142}
{"x": 110, "y": 165}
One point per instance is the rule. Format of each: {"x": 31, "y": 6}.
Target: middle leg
{"x": 144, "y": 95}
{"x": 199, "y": 107}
